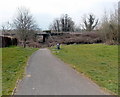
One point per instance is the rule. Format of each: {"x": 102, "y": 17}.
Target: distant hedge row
{"x": 7, "y": 41}
{"x": 83, "y": 38}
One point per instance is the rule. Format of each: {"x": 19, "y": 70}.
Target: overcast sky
{"x": 44, "y": 11}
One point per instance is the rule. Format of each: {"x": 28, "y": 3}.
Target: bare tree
{"x": 109, "y": 27}
{"x": 25, "y": 25}
{"x": 56, "y": 25}
{"x": 6, "y": 27}
{"x": 90, "y": 22}
{"x": 64, "y": 24}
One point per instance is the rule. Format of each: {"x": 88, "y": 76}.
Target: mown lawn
{"x": 14, "y": 60}
{"x": 0, "y": 72}
{"x": 97, "y": 61}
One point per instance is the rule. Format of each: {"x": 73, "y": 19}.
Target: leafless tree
{"x": 109, "y": 27}
{"x": 25, "y": 25}
{"x": 90, "y": 22}
{"x": 6, "y": 27}
{"x": 56, "y": 25}
{"x": 64, "y": 24}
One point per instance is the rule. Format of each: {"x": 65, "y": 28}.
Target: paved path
{"x": 47, "y": 75}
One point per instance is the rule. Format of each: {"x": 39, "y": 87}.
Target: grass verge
{"x": 14, "y": 60}
{"x": 0, "y": 72}
{"x": 97, "y": 61}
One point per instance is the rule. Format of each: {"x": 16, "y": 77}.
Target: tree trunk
{"x": 24, "y": 43}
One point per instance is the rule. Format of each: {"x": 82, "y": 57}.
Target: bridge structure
{"x": 49, "y": 33}
{"x": 44, "y": 34}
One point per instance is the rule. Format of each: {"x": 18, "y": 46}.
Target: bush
{"x": 109, "y": 28}
{"x": 81, "y": 38}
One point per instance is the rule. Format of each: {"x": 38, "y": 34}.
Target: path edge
{"x": 19, "y": 80}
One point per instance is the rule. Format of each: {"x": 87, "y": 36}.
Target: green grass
{"x": 0, "y": 72}
{"x": 13, "y": 66}
{"x": 97, "y": 61}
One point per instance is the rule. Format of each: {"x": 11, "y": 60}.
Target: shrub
{"x": 109, "y": 28}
